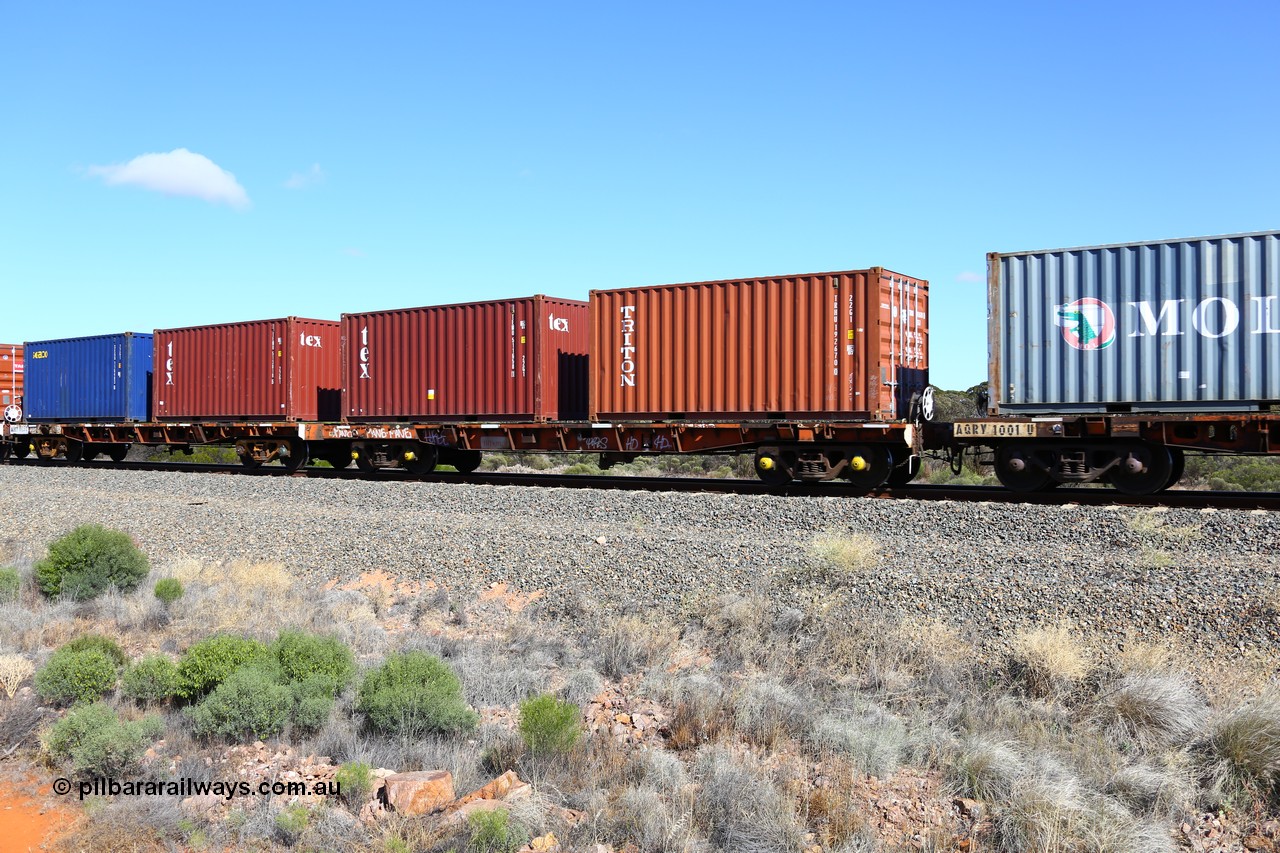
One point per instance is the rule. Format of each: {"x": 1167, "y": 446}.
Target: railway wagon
{"x": 1109, "y": 362}
{"x": 509, "y": 360}
{"x": 97, "y": 379}
{"x": 11, "y": 382}
{"x": 834, "y": 347}
{"x": 287, "y": 369}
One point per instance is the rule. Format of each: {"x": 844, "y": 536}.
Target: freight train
{"x": 1107, "y": 364}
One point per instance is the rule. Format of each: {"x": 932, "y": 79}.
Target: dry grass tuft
{"x": 631, "y": 644}
{"x": 766, "y": 712}
{"x": 14, "y": 669}
{"x": 832, "y": 808}
{"x": 986, "y": 769}
{"x": 252, "y": 599}
{"x": 875, "y": 742}
{"x": 739, "y": 808}
{"x": 849, "y": 554}
{"x": 1242, "y": 751}
{"x": 1048, "y": 660}
{"x": 1137, "y": 657}
{"x": 1152, "y": 527}
{"x": 1154, "y": 711}
{"x": 1041, "y": 813}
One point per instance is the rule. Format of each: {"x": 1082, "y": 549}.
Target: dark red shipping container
{"x": 11, "y": 382}
{"x": 264, "y": 370}
{"x": 849, "y": 346}
{"x": 508, "y": 359}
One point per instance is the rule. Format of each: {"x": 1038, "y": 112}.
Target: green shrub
{"x": 548, "y": 725}
{"x": 152, "y": 679}
{"x": 208, "y": 663}
{"x": 412, "y": 694}
{"x": 312, "y": 700}
{"x": 355, "y": 781}
{"x": 10, "y": 585}
{"x": 582, "y": 468}
{"x": 492, "y": 832}
{"x": 249, "y": 703}
{"x": 304, "y": 657}
{"x": 98, "y": 643}
{"x": 168, "y": 590}
{"x": 90, "y": 559}
{"x": 76, "y": 676}
{"x": 291, "y": 822}
{"x": 99, "y": 743}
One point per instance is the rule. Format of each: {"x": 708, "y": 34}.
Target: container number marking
{"x": 990, "y": 429}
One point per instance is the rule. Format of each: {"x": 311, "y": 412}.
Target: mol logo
{"x": 1087, "y": 323}
{"x": 1090, "y": 324}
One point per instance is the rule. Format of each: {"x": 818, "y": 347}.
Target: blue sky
{"x": 344, "y": 157}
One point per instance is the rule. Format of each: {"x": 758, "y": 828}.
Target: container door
{"x": 904, "y": 369}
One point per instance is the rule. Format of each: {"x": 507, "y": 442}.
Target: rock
{"x": 422, "y": 792}
{"x": 969, "y": 808}
{"x": 543, "y": 844}
{"x": 459, "y": 813}
{"x": 372, "y": 811}
{"x": 498, "y": 789}
{"x": 1255, "y": 842}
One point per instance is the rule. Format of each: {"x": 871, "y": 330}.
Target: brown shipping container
{"x": 11, "y": 381}
{"x": 270, "y": 370}
{"x": 836, "y": 346}
{"x": 509, "y": 359}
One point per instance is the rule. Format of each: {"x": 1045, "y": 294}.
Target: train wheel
{"x": 1179, "y": 465}
{"x": 1145, "y": 470}
{"x": 74, "y": 451}
{"x": 869, "y": 466}
{"x": 1017, "y": 473}
{"x": 5, "y": 448}
{"x": 465, "y": 461}
{"x": 21, "y": 450}
{"x": 421, "y": 460}
{"x": 118, "y": 452}
{"x": 338, "y": 460}
{"x": 297, "y": 456}
{"x": 772, "y": 468}
{"x": 905, "y": 473}
{"x": 89, "y": 453}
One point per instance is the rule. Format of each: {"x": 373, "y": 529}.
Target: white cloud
{"x": 302, "y": 180}
{"x": 971, "y": 277}
{"x": 179, "y": 172}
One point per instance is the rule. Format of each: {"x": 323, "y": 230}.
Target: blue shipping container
{"x": 105, "y": 378}
{"x": 1167, "y": 326}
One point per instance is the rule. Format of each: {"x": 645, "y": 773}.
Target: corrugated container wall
{"x": 103, "y": 378}
{"x": 11, "y": 381}
{"x": 510, "y": 359}
{"x": 288, "y": 369}
{"x": 847, "y": 345}
{"x": 1173, "y": 325}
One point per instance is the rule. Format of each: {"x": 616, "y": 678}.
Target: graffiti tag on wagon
{"x": 661, "y": 442}
{"x": 593, "y": 442}
{"x": 388, "y": 432}
{"x": 437, "y": 438}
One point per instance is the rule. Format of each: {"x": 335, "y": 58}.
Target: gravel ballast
{"x": 989, "y": 568}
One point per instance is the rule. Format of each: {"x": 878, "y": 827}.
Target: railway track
{"x": 922, "y": 492}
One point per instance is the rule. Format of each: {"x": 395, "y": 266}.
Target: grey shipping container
{"x": 1188, "y": 325}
